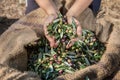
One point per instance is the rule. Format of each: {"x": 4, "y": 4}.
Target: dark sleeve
{"x": 95, "y": 6}
{"x": 31, "y": 5}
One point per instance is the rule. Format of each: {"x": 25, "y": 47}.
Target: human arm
{"x": 52, "y": 11}
{"x": 78, "y": 7}
{"x": 48, "y": 6}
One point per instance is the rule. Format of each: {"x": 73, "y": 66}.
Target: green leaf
{"x": 68, "y": 71}
{"x": 61, "y": 68}
{"x": 51, "y": 68}
{"x": 60, "y": 15}
{"x": 47, "y": 54}
{"x": 87, "y": 78}
{"x": 40, "y": 56}
{"x": 61, "y": 34}
{"x": 73, "y": 25}
{"x": 71, "y": 53}
{"x": 87, "y": 61}
{"x": 56, "y": 27}
{"x": 37, "y": 67}
{"x": 67, "y": 63}
{"x": 47, "y": 75}
{"x": 82, "y": 66}
{"x": 80, "y": 55}
{"x": 56, "y": 21}
{"x": 52, "y": 51}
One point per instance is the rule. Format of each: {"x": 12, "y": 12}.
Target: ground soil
{"x": 10, "y": 11}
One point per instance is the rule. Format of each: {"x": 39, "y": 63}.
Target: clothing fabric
{"x": 95, "y": 5}
{"x": 32, "y": 5}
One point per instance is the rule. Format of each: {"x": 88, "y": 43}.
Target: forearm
{"x": 48, "y": 6}
{"x": 78, "y": 7}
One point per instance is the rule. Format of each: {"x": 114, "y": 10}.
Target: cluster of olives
{"x": 52, "y": 62}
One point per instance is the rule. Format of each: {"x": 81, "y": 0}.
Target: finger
{"x": 72, "y": 41}
{"x": 79, "y": 29}
{"x": 55, "y": 45}
{"x": 52, "y": 44}
{"x": 69, "y": 45}
{"x": 50, "y": 38}
{"x": 51, "y": 41}
{"x": 49, "y": 19}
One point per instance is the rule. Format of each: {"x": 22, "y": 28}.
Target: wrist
{"x": 69, "y": 18}
{"x": 53, "y": 13}
{"x": 69, "y": 14}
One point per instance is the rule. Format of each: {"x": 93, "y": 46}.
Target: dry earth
{"x": 10, "y": 11}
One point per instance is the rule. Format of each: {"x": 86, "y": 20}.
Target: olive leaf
{"x": 52, "y": 62}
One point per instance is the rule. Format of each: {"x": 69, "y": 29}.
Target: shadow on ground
{"x": 5, "y": 23}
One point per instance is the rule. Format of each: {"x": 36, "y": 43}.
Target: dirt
{"x": 11, "y": 9}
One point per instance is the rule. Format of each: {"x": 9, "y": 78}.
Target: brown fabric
{"x": 30, "y": 28}
{"x": 117, "y": 75}
{"x": 12, "y": 41}
{"x": 7, "y": 73}
{"x": 107, "y": 65}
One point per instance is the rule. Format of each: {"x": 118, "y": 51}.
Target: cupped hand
{"x": 78, "y": 31}
{"x": 48, "y": 20}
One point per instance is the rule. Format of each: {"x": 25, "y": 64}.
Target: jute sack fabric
{"x": 7, "y": 73}
{"x": 30, "y": 28}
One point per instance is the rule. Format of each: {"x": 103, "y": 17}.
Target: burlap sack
{"x": 108, "y": 64}
{"x": 7, "y": 73}
{"x": 13, "y": 40}
{"x": 30, "y": 28}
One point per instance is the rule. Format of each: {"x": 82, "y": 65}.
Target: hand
{"x": 48, "y": 20}
{"x": 78, "y": 32}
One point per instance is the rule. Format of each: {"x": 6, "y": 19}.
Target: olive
{"x": 70, "y": 31}
{"x": 63, "y": 40}
{"x": 61, "y": 59}
{"x": 91, "y": 43}
{"x": 77, "y": 50}
{"x": 59, "y": 30}
{"x": 69, "y": 61}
